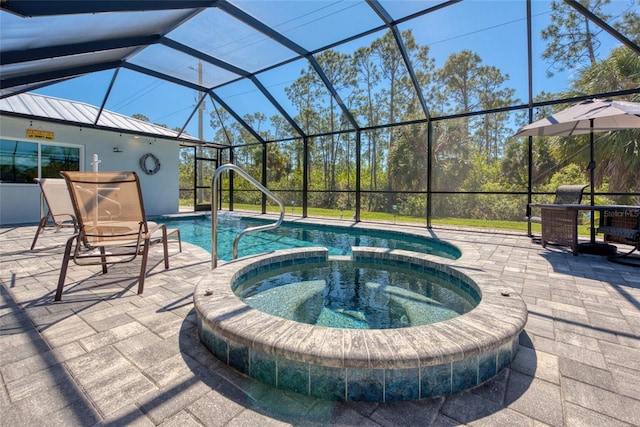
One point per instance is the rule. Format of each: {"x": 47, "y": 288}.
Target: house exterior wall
{"x": 21, "y": 203}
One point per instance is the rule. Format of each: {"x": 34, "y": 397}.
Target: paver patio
{"x": 106, "y": 356}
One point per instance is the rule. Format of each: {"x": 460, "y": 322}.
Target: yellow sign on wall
{"x": 39, "y": 134}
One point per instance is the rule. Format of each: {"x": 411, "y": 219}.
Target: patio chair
{"x": 59, "y": 207}
{"x": 112, "y": 227}
{"x": 622, "y": 227}
{"x": 565, "y": 195}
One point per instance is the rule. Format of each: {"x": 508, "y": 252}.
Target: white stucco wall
{"x": 20, "y": 203}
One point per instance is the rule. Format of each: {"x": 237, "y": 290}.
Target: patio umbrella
{"x": 587, "y": 117}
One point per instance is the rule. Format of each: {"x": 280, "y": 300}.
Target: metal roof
{"x": 62, "y": 110}
{"x": 176, "y": 58}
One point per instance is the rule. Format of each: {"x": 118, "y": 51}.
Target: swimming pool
{"x": 338, "y": 240}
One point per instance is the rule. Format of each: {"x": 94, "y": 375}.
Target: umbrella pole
{"x": 592, "y": 247}
{"x": 592, "y": 167}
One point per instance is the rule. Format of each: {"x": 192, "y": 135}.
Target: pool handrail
{"x": 214, "y": 211}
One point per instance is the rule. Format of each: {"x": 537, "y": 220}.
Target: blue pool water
{"x": 338, "y": 240}
{"x": 356, "y": 295}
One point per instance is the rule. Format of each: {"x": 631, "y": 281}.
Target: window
{"x": 19, "y": 161}
{"x": 55, "y": 158}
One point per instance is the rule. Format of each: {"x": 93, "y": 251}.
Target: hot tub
{"x": 379, "y": 365}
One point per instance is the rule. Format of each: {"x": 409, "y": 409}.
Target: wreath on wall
{"x": 145, "y": 167}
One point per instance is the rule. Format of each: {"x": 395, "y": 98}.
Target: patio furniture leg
{"x": 43, "y": 222}
{"x": 143, "y": 267}
{"x": 175, "y": 232}
{"x": 103, "y": 260}
{"x": 165, "y": 246}
{"x": 63, "y": 268}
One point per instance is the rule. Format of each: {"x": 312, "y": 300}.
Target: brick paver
{"x": 106, "y": 356}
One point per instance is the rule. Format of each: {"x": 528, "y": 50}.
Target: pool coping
{"x": 494, "y": 323}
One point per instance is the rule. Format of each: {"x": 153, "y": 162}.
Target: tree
{"x": 572, "y": 38}
{"x": 465, "y": 85}
{"x": 397, "y": 94}
{"x": 408, "y": 161}
{"x": 303, "y": 94}
{"x": 618, "y": 151}
{"x": 459, "y": 75}
{"x": 492, "y": 131}
{"x": 450, "y": 154}
{"x": 186, "y": 171}
{"x": 629, "y": 25}
{"x": 459, "y": 78}
{"x": 619, "y": 71}
{"x": 141, "y": 117}
{"x": 369, "y": 76}
{"x": 337, "y": 68}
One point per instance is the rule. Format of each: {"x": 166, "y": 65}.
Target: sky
{"x": 495, "y": 30}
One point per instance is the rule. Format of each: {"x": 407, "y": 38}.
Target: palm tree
{"x": 618, "y": 151}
